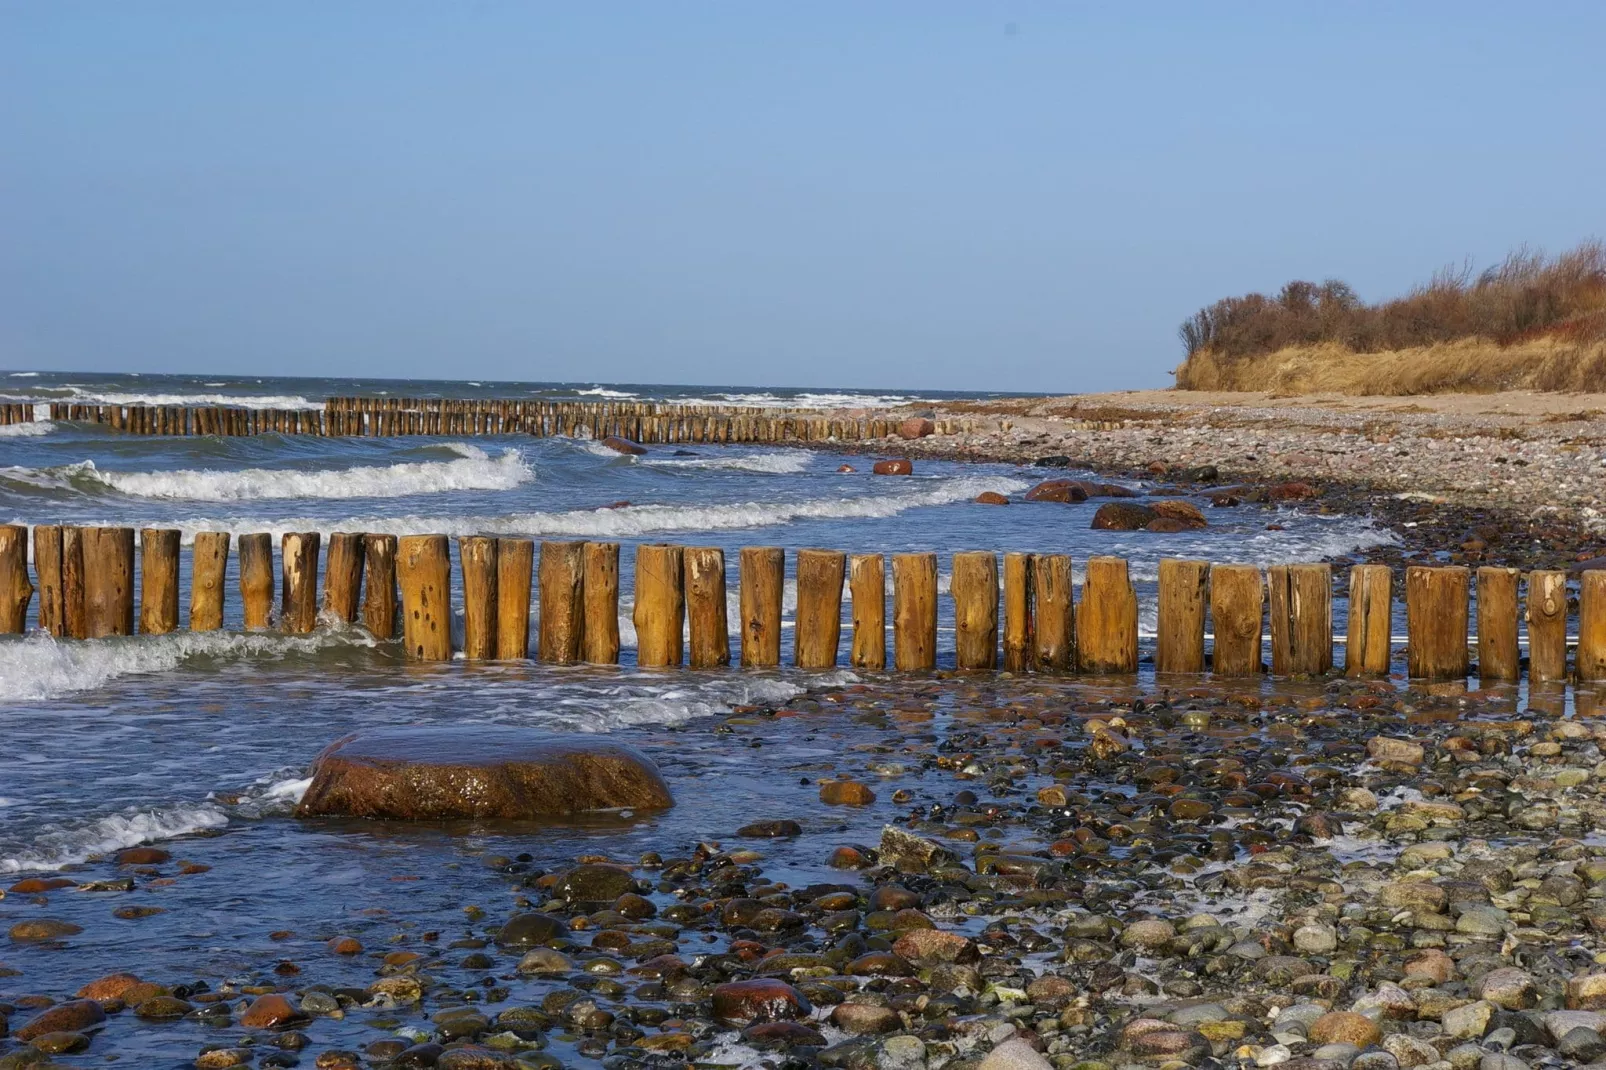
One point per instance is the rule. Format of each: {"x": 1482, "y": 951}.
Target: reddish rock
{"x": 266, "y": 1012}
{"x": 43, "y": 929}
{"x": 1345, "y": 1027}
{"x": 783, "y": 1035}
{"x": 916, "y": 427}
{"x": 848, "y": 858}
{"x": 112, "y": 986}
{"x": 74, "y": 1016}
{"x": 865, "y": 1019}
{"x": 1291, "y": 492}
{"x": 845, "y": 793}
{"x": 1166, "y": 524}
{"x": 623, "y": 503}
{"x": 762, "y": 999}
{"x": 345, "y": 945}
{"x": 900, "y": 467}
{"x": 478, "y": 771}
{"x": 1111, "y": 490}
{"x": 623, "y": 445}
{"x": 1058, "y": 490}
{"x": 846, "y": 468}
{"x": 991, "y": 497}
{"x": 142, "y": 856}
{"x": 929, "y": 947}
{"x": 37, "y": 885}
{"x": 1122, "y": 516}
{"x": 1185, "y": 512}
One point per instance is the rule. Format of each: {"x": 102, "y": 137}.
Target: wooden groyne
{"x": 1021, "y": 617}
{"x": 657, "y": 423}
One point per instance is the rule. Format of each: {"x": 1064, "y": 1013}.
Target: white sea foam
{"x": 604, "y": 392}
{"x": 37, "y": 667}
{"x": 631, "y": 521}
{"x": 64, "y": 845}
{"x": 27, "y": 430}
{"x": 474, "y": 469}
{"x": 829, "y": 399}
{"x": 24, "y": 375}
{"x": 239, "y": 401}
{"x": 782, "y": 462}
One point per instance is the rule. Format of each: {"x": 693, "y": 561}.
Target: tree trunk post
{"x": 1371, "y": 621}
{"x": 1436, "y": 622}
{"x": 914, "y": 612}
{"x": 342, "y": 575}
{"x": 762, "y": 582}
{"x": 601, "y": 646}
{"x": 158, "y": 580}
{"x": 1019, "y": 628}
{"x": 707, "y": 612}
{"x": 818, "y": 634}
{"x": 1592, "y": 625}
{"x": 561, "y": 639}
{"x": 47, "y": 566}
{"x": 1180, "y": 622}
{"x": 1547, "y": 626}
{"x": 1053, "y": 614}
{"x": 108, "y": 581}
{"x": 1499, "y": 653}
{"x": 298, "y": 612}
{"x": 974, "y": 587}
{"x": 660, "y": 612}
{"x": 424, "y": 570}
{"x": 1107, "y": 623}
{"x": 867, "y": 585}
{"x": 209, "y": 561}
{"x": 515, "y": 566}
{"x": 476, "y": 558}
{"x": 1301, "y": 619}
{"x": 379, "y": 585}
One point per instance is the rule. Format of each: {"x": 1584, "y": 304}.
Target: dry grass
{"x": 1533, "y": 323}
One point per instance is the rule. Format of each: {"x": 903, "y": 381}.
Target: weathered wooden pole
{"x": 1180, "y": 622}
{"x": 108, "y": 581}
{"x": 1301, "y": 619}
{"x": 424, "y": 570}
{"x": 209, "y": 561}
{"x": 256, "y": 579}
{"x": 660, "y": 611}
{"x": 763, "y": 583}
{"x": 74, "y": 614}
{"x": 476, "y": 557}
{"x": 342, "y": 575}
{"x": 379, "y": 585}
{"x": 1499, "y": 656}
{"x": 1547, "y": 626}
{"x": 867, "y": 585}
{"x": 974, "y": 586}
{"x": 563, "y": 611}
{"x": 1237, "y": 606}
{"x": 1368, "y": 645}
{"x": 158, "y": 580}
{"x": 818, "y": 634}
{"x": 1019, "y": 633}
{"x": 706, "y": 609}
{"x": 1436, "y": 622}
{"x": 914, "y": 612}
{"x": 298, "y": 560}
{"x": 515, "y": 565}
{"x": 601, "y": 644}
{"x": 1107, "y": 623}
{"x": 47, "y": 566}
{"x": 16, "y": 590}
{"x": 1053, "y": 614}
{"x": 1591, "y": 659}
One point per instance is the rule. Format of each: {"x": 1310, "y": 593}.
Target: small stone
{"x": 1507, "y": 987}
{"x": 1481, "y": 921}
{"x": 43, "y": 929}
{"x": 1344, "y": 1027}
{"x": 1586, "y": 992}
{"x": 345, "y": 945}
{"x": 59, "y": 1043}
{"x": 1582, "y": 1044}
{"x": 759, "y": 1000}
{"x": 74, "y": 1016}
{"x": 1471, "y": 1020}
{"x": 864, "y": 1019}
{"x": 1149, "y": 933}
{"x": 1014, "y": 1054}
{"x": 1403, "y": 751}
{"x": 902, "y": 1053}
{"x": 112, "y": 986}
{"x": 530, "y": 929}
{"x": 269, "y": 1011}
{"x": 1315, "y": 939}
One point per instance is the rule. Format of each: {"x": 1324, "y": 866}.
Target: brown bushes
{"x": 1532, "y": 322}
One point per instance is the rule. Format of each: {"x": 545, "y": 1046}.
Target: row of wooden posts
{"x": 86, "y": 583}
{"x": 646, "y": 422}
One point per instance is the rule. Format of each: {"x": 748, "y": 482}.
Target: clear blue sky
{"x": 924, "y": 194}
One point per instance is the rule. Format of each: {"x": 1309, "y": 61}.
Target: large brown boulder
{"x": 1123, "y": 516}
{"x": 916, "y": 427}
{"x": 478, "y": 771}
{"x": 623, "y": 445}
{"x": 1058, "y": 490}
{"x": 900, "y": 467}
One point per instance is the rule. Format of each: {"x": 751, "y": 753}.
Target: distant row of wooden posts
{"x": 1022, "y": 617}
{"x": 637, "y": 421}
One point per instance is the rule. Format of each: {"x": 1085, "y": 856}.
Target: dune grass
{"x": 1530, "y": 323}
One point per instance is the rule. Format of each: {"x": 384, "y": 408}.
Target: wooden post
{"x": 818, "y": 633}
{"x": 209, "y": 560}
{"x": 1591, "y": 625}
{"x": 476, "y": 558}
{"x": 1547, "y": 626}
{"x": 706, "y": 608}
{"x": 47, "y": 566}
{"x": 1053, "y": 613}
{"x": 660, "y": 611}
{"x": 563, "y": 621}
{"x": 16, "y": 590}
{"x": 601, "y": 645}
{"x": 1436, "y": 622}
{"x": 256, "y": 579}
{"x": 1107, "y": 625}
{"x": 158, "y": 580}
{"x": 74, "y": 613}
{"x": 298, "y": 611}
{"x": 868, "y": 586}
{"x": 1371, "y": 621}
{"x": 1237, "y": 605}
{"x": 424, "y": 569}
{"x": 974, "y": 587}
{"x": 342, "y": 575}
{"x": 1499, "y": 657}
{"x": 1301, "y": 619}
{"x": 762, "y": 582}
{"x": 1180, "y": 622}
{"x": 109, "y": 581}
{"x": 914, "y": 612}
{"x": 515, "y": 565}
{"x": 379, "y": 585}
{"x": 1018, "y": 629}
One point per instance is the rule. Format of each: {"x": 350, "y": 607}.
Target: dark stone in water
{"x": 1058, "y": 460}
{"x": 485, "y": 772}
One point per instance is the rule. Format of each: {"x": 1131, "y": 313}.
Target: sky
{"x": 891, "y": 195}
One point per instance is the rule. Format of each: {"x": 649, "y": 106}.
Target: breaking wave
{"x": 27, "y": 430}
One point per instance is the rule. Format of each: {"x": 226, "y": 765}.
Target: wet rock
{"x": 623, "y": 445}
{"x": 594, "y": 882}
{"x": 479, "y": 771}
{"x": 1586, "y": 992}
{"x": 1384, "y": 749}
{"x": 530, "y": 929}
{"x": 1413, "y": 895}
{"x": 991, "y": 497}
{"x": 901, "y": 466}
{"x": 269, "y": 1012}
{"x": 1058, "y": 490}
{"x": 1185, "y": 513}
{"x": 74, "y": 1016}
{"x": 908, "y": 853}
{"x": 142, "y": 856}
{"x": 38, "y": 929}
{"x": 1060, "y": 460}
{"x": 223, "y": 1058}
{"x": 1581, "y": 1044}
{"x": 345, "y": 945}
{"x": 110, "y": 987}
{"x": 1507, "y": 987}
{"x": 771, "y": 829}
{"x": 928, "y": 947}
{"x": 759, "y": 1000}
{"x": 60, "y": 1043}
{"x": 1149, "y": 933}
{"x": 846, "y": 793}
{"x": 162, "y": 1008}
{"x": 783, "y": 1035}
{"x": 1291, "y": 492}
{"x": 1123, "y": 516}
{"x": 1471, "y": 1020}
{"x": 865, "y": 1019}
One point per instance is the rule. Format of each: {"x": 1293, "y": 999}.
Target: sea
{"x": 202, "y": 742}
